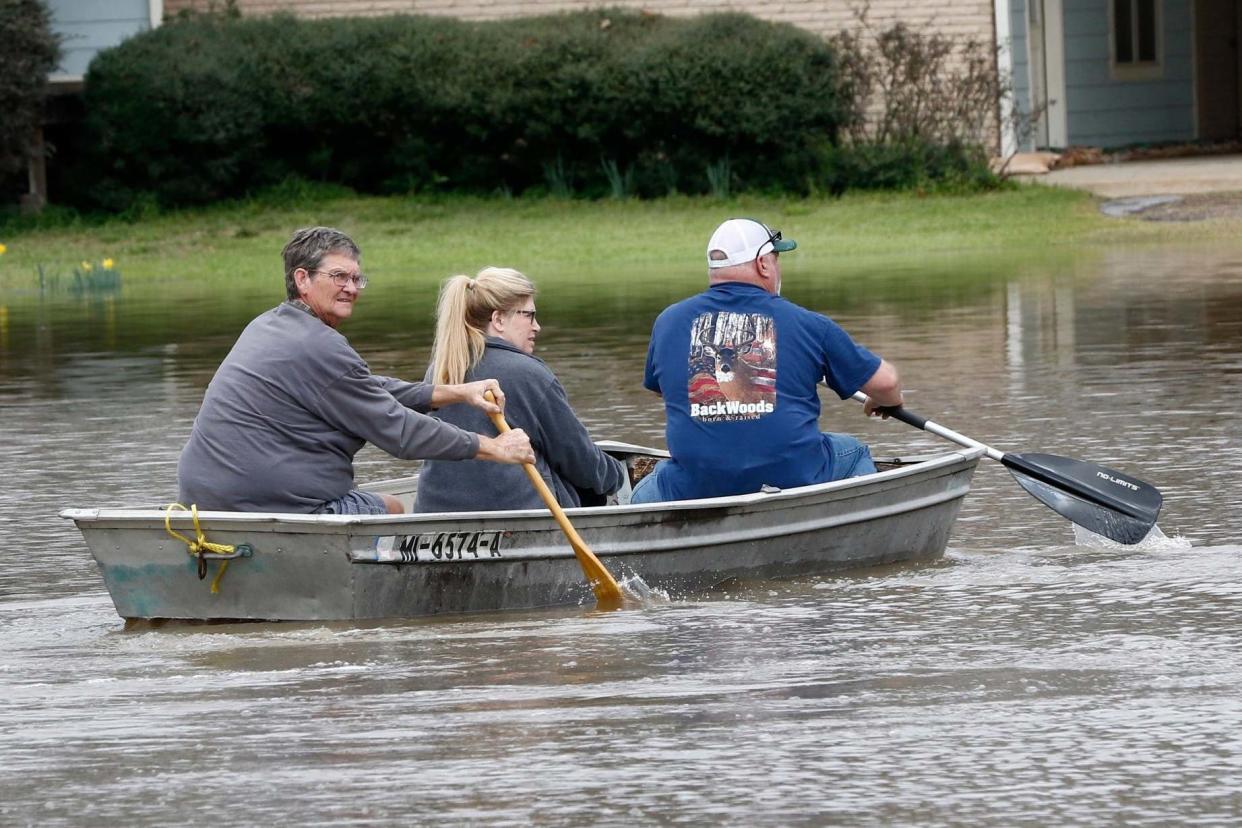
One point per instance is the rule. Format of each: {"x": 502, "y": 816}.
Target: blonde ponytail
{"x": 462, "y": 314}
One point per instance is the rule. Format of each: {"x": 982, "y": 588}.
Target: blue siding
{"x": 89, "y": 26}
{"x": 1021, "y": 53}
{"x": 1104, "y": 112}
{"x": 1148, "y": 121}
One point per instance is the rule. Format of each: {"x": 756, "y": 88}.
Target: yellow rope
{"x": 197, "y": 547}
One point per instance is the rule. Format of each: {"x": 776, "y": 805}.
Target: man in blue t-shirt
{"x": 738, "y": 368}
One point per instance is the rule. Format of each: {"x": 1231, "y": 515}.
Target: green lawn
{"x": 560, "y": 238}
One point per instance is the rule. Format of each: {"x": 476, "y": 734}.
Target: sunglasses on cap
{"x": 773, "y": 237}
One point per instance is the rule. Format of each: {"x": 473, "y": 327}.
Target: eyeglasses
{"x": 341, "y": 278}
{"x": 773, "y": 237}
{"x": 528, "y": 314}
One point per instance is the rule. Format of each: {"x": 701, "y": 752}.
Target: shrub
{"x": 913, "y": 164}
{"x": 595, "y": 103}
{"x": 28, "y": 52}
{"x": 905, "y": 83}
{"x": 919, "y": 107}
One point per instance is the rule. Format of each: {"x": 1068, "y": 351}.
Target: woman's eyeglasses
{"x": 341, "y": 279}
{"x": 528, "y": 314}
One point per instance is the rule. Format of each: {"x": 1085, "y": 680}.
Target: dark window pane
{"x": 1123, "y": 31}
{"x": 1146, "y": 30}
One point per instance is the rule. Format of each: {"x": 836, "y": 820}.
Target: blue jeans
{"x": 354, "y": 502}
{"x": 850, "y": 458}
{"x": 650, "y": 489}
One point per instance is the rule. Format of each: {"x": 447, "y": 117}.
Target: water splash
{"x": 639, "y": 592}
{"x": 1155, "y": 541}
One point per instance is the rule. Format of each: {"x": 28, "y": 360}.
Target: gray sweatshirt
{"x": 287, "y": 411}
{"x": 535, "y": 401}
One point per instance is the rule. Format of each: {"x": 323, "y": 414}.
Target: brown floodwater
{"x": 1034, "y": 676}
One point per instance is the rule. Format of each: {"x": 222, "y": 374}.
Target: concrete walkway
{"x": 1173, "y": 176}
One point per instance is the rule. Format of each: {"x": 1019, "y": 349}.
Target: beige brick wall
{"x": 965, "y": 18}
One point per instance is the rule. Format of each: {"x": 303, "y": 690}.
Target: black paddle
{"x": 1103, "y": 500}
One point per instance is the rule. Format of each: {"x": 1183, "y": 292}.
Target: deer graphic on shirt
{"x": 732, "y": 372}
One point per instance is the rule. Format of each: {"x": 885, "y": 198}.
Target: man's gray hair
{"x": 308, "y": 247}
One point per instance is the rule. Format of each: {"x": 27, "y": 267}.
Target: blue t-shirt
{"x": 738, "y": 370}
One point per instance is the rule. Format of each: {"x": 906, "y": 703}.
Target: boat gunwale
{"x": 350, "y": 523}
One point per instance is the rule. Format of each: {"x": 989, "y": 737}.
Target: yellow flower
{"x": 3, "y": 249}
{"x": 86, "y": 266}
{"x": 107, "y": 264}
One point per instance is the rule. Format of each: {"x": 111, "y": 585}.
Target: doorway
{"x": 1218, "y": 68}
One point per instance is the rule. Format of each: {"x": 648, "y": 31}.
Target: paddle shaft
{"x": 607, "y": 590}
{"x": 923, "y": 424}
{"x": 1012, "y": 462}
{"x": 550, "y": 501}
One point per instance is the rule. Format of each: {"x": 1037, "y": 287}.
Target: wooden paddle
{"x": 1103, "y": 500}
{"x": 607, "y": 591}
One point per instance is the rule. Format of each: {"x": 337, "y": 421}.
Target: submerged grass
{"x": 559, "y": 240}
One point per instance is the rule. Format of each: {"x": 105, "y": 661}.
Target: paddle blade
{"x": 608, "y": 595}
{"x": 1102, "y": 500}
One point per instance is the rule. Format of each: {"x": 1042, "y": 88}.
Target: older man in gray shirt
{"x": 293, "y": 403}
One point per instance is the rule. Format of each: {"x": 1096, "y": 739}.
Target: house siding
{"x": 959, "y": 18}
{"x": 90, "y": 27}
{"x": 1106, "y": 112}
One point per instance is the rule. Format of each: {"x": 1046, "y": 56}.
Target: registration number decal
{"x": 432, "y": 547}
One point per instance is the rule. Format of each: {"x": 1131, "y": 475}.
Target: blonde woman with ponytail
{"x": 486, "y": 326}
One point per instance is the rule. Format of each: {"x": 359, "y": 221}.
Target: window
{"x": 1136, "y": 38}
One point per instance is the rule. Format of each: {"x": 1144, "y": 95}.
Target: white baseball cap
{"x": 738, "y": 241}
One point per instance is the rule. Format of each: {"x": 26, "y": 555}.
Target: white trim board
{"x": 1004, "y": 68}
{"x": 1054, "y": 73}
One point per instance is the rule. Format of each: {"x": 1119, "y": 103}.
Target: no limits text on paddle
{"x": 1102, "y": 500}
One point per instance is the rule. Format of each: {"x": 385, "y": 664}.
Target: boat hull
{"x": 328, "y": 567}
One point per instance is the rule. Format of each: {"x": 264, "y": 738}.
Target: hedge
{"x": 595, "y": 102}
